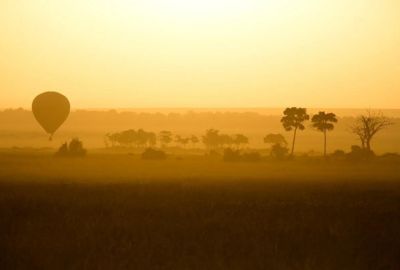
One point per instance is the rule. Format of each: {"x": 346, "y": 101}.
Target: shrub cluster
{"x": 153, "y": 154}
{"x": 231, "y": 155}
{"x": 72, "y": 149}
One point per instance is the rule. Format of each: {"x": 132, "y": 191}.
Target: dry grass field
{"x": 199, "y": 135}
{"x": 115, "y": 211}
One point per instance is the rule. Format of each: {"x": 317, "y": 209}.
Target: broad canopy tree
{"x": 165, "y": 138}
{"x": 213, "y": 139}
{"x": 131, "y": 137}
{"x": 275, "y": 139}
{"x": 182, "y": 140}
{"x": 194, "y": 140}
{"x": 240, "y": 139}
{"x": 278, "y": 145}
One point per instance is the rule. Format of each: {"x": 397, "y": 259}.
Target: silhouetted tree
{"x": 194, "y": 140}
{"x": 359, "y": 154}
{"x": 338, "y": 154}
{"x": 140, "y": 138}
{"x": 106, "y": 141}
{"x": 182, "y": 140}
{"x": 251, "y": 157}
{"x": 231, "y": 155}
{"x": 240, "y": 139}
{"x": 211, "y": 139}
{"x": 143, "y": 138}
{"x": 127, "y": 137}
{"x": 152, "y": 154}
{"x": 73, "y": 149}
{"x": 113, "y": 138}
{"x": 165, "y": 138}
{"x": 225, "y": 140}
{"x": 293, "y": 119}
{"x": 275, "y": 139}
{"x": 368, "y": 125}
{"x": 178, "y": 139}
{"x": 131, "y": 137}
{"x": 324, "y": 122}
{"x": 63, "y": 150}
{"x": 151, "y": 139}
{"x": 76, "y": 148}
{"x": 279, "y": 151}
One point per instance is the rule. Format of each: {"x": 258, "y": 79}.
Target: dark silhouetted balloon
{"x": 51, "y": 109}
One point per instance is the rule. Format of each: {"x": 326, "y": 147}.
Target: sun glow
{"x": 232, "y": 53}
{"x": 203, "y": 6}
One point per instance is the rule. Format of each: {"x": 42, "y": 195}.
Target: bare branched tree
{"x": 368, "y": 125}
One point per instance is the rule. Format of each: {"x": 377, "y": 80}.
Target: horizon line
{"x": 207, "y": 108}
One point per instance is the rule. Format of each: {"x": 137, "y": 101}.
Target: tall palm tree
{"x": 324, "y": 122}
{"x": 293, "y": 119}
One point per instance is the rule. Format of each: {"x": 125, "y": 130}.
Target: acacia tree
{"x": 151, "y": 139}
{"x": 275, "y": 139}
{"x": 240, "y": 139}
{"x": 279, "y": 151}
{"x": 182, "y": 140}
{"x": 131, "y": 137}
{"x": 165, "y": 138}
{"x": 194, "y": 140}
{"x": 368, "y": 125}
{"x": 178, "y": 139}
{"x": 127, "y": 137}
{"x": 324, "y": 122}
{"x": 278, "y": 145}
{"x": 211, "y": 139}
{"x": 113, "y": 138}
{"x": 225, "y": 140}
{"x": 293, "y": 119}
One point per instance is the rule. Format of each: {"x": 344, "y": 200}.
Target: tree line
{"x": 294, "y": 120}
{"x": 141, "y": 138}
{"x": 213, "y": 139}
{"x": 365, "y": 126}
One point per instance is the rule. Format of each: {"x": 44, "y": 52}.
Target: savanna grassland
{"x": 19, "y": 128}
{"x": 116, "y": 211}
{"x": 199, "y": 135}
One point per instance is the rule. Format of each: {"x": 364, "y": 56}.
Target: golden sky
{"x": 206, "y": 53}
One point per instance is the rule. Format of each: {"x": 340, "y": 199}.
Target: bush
{"x": 278, "y": 151}
{"x": 213, "y": 153}
{"x": 360, "y": 154}
{"x": 390, "y": 157}
{"x": 338, "y": 155}
{"x": 152, "y": 154}
{"x": 251, "y": 157}
{"x": 73, "y": 149}
{"x": 231, "y": 155}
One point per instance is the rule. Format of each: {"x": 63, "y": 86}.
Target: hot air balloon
{"x": 51, "y": 109}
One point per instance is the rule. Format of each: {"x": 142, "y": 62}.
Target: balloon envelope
{"x": 51, "y": 109}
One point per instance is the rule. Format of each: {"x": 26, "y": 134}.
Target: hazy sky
{"x": 205, "y": 53}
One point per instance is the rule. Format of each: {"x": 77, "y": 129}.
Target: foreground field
{"x": 117, "y": 168}
{"x": 118, "y": 212}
